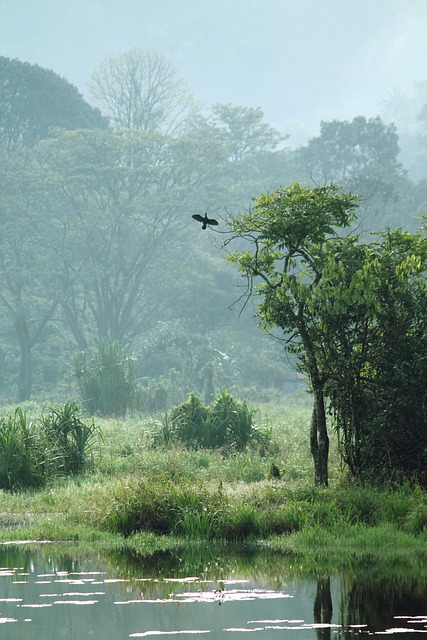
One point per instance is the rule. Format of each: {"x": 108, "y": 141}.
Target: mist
{"x": 234, "y": 99}
{"x": 300, "y": 62}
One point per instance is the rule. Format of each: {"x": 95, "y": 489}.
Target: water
{"x": 52, "y": 593}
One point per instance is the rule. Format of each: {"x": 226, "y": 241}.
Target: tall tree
{"x": 288, "y": 233}
{"x": 34, "y": 99}
{"x": 362, "y": 157}
{"x": 354, "y": 313}
{"x": 243, "y": 132}
{"x": 142, "y": 90}
{"x": 126, "y": 200}
{"x": 28, "y": 265}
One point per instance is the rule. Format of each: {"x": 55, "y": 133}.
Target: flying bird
{"x": 205, "y": 220}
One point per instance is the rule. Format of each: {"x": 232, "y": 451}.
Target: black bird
{"x": 205, "y": 220}
{"x": 274, "y": 472}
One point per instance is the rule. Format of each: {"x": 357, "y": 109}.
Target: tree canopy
{"x": 354, "y": 313}
{"x": 142, "y": 90}
{"x": 33, "y": 100}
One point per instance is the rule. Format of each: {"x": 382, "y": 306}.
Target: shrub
{"x": 23, "y": 456}
{"x": 225, "y": 423}
{"x": 164, "y": 507}
{"x": 105, "y": 379}
{"x": 56, "y": 443}
{"x": 70, "y": 437}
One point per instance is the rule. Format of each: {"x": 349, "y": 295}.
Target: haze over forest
{"x": 96, "y": 236}
{"x": 300, "y": 61}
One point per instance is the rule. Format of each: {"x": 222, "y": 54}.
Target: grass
{"x": 149, "y": 497}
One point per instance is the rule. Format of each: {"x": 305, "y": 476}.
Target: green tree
{"x": 242, "y": 131}
{"x": 34, "y": 99}
{"x": 354, "y": 313}
{"x": 362, "y": 157}
{"x": 372, "y": 301}
{"x": 289, "y": 232}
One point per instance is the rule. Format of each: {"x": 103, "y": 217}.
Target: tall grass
{"x": 258, "y": 510}
{"x": 25, "y": 457}
{"x": 32, "y": 451}
{"x": 195, "y": 493}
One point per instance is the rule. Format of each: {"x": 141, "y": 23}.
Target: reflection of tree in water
{"x": 322, "y": 608}
{"x": 377, "y": 603}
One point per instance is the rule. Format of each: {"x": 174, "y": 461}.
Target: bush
{"x": 225, "y": 423}
{"x": 164, "y": 507}
{"x": 105, "y": 379}
{"x": 57, "y": 443}
{"x": 23, "y": 455}
{"x": 70, "y": 437}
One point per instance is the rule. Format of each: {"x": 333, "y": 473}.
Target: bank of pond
{"x": 150, "y": 539}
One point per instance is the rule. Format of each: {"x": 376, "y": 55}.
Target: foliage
{"x": 199, "y": 494}
{"x": 33, "y": 100}
{"x": 242, "y": 131}
{"x": 179, "y": 357}
{"x": 289, "y": 232}
{"x": 72, "y": 439}
{"x": 225, "y": 423}
{"x": 22, "y": 454}
{"x": 93, "y": 228}
{"x": 354, "y": 313}
{"x": 372, "y": 302}
{"x": 56, "y": 443}
{"x": 201, "y": 511}
{"x": 363, "y": 157}
{"x": 105, "y": 379}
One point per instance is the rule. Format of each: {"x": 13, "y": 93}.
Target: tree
{"x": 362, "y": 157}
{"x": 34, "y": 99}
{"x": 372, "y": 301}
{"x": 242, "y": 131}
{"x": 250, "y": 155}
{"x": 141, "y": 90}
{"x": 289, "y": 232}
{"x": 28, "y": 287}
{"x": 405, "y": 110}
{"x": 354, "y": 313}
{"x": 124, "y": 201}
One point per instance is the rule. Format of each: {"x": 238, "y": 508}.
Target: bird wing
{"x": 197, "y": 217}
{"x": 211, "y": 221}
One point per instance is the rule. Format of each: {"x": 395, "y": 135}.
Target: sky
{"x": 301, "y": 61}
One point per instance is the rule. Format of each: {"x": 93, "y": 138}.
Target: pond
{"x": 48, "y": 593}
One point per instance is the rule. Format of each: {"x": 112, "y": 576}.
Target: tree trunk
{"x": 25, "y": 375}
{"x": 319, "y": 440}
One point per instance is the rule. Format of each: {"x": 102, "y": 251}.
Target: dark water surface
{"x": 47, "y": 593}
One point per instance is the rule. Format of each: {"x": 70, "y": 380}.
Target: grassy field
{"x": 150, "y": 497}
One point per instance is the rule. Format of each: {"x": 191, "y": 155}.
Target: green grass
{"x": 140, "y": 493}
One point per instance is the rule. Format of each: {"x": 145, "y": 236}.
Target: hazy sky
{"x": 301, "y": 61}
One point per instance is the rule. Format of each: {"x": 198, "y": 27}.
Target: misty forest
{"x": 303, "y": 271}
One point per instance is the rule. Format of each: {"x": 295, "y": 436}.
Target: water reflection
{"x": 322, "y": 608}
{"x": 221, "y": 591}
